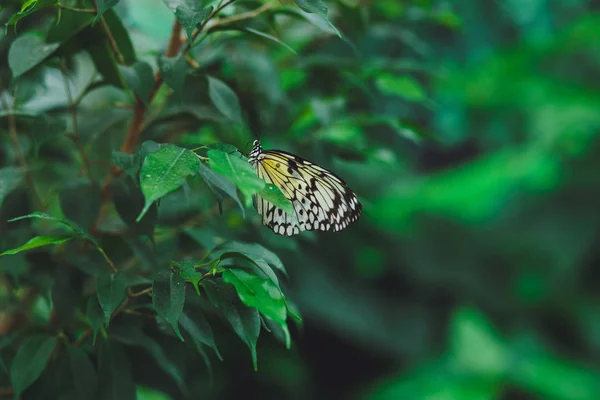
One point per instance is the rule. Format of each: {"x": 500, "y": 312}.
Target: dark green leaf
{"x": 252, "y": 251}
{"x": 188, "y": 273}
{"x": 226, "y": 147}
{"x": 85, "y": 379}
{"x": 146, "y": 393}
{"x": 135, "y": 337}
{"x": 129, "y": 202}
{"x": 111, "y": 293}
{"x": 173, "y": 71}
{"x": 80, "y": 202}
{"x": 164, "y": 171}
{"x": 115, "y": 378}
{"x": 36, "y": 242}
{"x": 103, "y": 6}
{"x": 220, "y": 185}
{"x": 244, "y": 320}
{"x": 29, "y": 7}
{"x": 129, "y": 163}
{"x": 95, "y": 315}
{"x": 168, "y": 298}
{"x": 273, "y": 195}
{"x": 401, "y": 86}
{"x": 10, "y": 177}
{"x": 121, "y": 36}
{"x": 70, "y": 24}
{"x": 27, "y": 51}
{"x": 238, "y": 170}
{"x": 270, "y": 37}
{"x": 199, "y": 329}
{"x": 260, "y": 293}
{"x": 30, "y": 361}
{"x": 313, "y": 6}
{"x": 139, "y": 78}
{"x": 189, "y": 16}
{"x": 224, "y": 99}
{"x": 76, "y": 228}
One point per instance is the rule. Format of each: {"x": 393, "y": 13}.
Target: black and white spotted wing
{"x": 321, "y": 200}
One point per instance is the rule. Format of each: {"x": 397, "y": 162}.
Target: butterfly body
{"x": 321, "y": 200}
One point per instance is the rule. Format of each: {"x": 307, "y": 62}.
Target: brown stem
{"x": 6, "y": 391}
{"x": 84, "y": 10}
{"x": 241, "y": 17}
{"x": 76, "y": 139}
{"x": 111, "y": 39}
{"x": 14, "y": 138}
{"x": 140, "y": 293}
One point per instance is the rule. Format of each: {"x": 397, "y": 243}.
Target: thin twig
{"x": 84, "y": 10}
{"x": 111, "y": 265}
{"x": 203, "y": 25}
{"x": 14, "y": 138}
{"x": 140, "y": 293}
{"x": 240, "y": 17}
{"x": 111, "y": 39}
{"x": 76, "y": 139}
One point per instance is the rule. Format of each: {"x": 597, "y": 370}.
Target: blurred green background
{"x": 470, "y": 132}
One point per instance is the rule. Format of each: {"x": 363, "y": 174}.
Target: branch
{"x": 240, "y": 17}
{"x": 111, "y": 39}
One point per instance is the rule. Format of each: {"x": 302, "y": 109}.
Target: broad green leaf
{"x": 115, "y": 380}
{"x": 260, "y": 266}
{"x": 10, "y": 179}
{"x": 188, "y": 273}
{"x": 253, "y": 251}
{"x": 224, "y": 99}
{"x": 226, "y": 147}
{"x": 129, "y": 163}
{"x": 197, "y": 326}
{"x": 134, "y": 336}
{"x": 164, "y": 171}
{"x": 71, "y": 23}
{"x": 94, "y": 315}
{"x": 401, "y": 86}
{"x": 260, "y": 293}
{"x": 189, "y": 14}
{"x": 146, "y": 393}
{"x": 80, "y": 202}
{"x": 173, "y": 71}
{"x": 168, "y": 297}
{"x": 129, "y": 202}
{"x": 36, "y": 242}
{"x": 29, "y": 6}
{"x": 139, "y": 78}
{"x": 475, "y": 347}
{"x": 103, "y": 6}
{"x": 30, "y": 361}
{"x": 121, "y": 35}
{"x": 273, "y": 195}
{"x": 245, "y": 321}
{"x": 319, "y": 8}
{"x": 85, "y": 378}
{"x": 220, "y": 185}
{"x": 238, "y": 170}
{"x": 27, "y": 51}
{"x": 111, "y": 293}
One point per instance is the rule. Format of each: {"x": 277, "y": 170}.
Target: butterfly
{"x": 321, "y": 199}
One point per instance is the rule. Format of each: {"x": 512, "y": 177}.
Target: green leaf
{"x": 94, "y": 315}
{"x": 111, "y": 293}
{"x": 103, "y": 6}
{"x": 260, "y": 293}
{"x": 27, "y": 51}
{"x": 270, "y": 37}
{"x": 114, "y": 374}
{"x": 71, "y": 23}
{"x": 29, "y": 7}
{"x": 168, "y": 298}
{"x": 146, "y": 393}
{"x": 238, "y": 170}
{"x": 226, "y": 147}
{"x": 189, "y": 16}
{"x": 80, "y": 202}
{"x": 245, "y": 321}
{"x": 188, "y": 273}
{"x": 401, "y": 86}
{"x": 224, "y": 99}
{"x": 10, "y": 179}
{"x": 273, "y": 195}
{"x": 134, "y": 336}
{"x": 220, "y": 185}
{"x": 139, "y": 78}
{"x": 129, "y": 163}
{"x": 475, "y": 347}
{"x": 129, "y": 202}
{"x": 30, "y": 361}
{"x": 199, "y": 329}
{"x": 36, "y": 242}
{"x": 164, "y": 171}
{"x": 76, "y": 228}
{"x": 319, "y": 8}
{"x": 85, "y": 379}
{"x": 252, "y": 251}
{"x": 173, "y": 71}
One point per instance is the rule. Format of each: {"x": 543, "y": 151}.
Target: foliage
{"x": 132, "y": 264}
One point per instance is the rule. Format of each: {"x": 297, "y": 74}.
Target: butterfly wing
{"x": 321, "y": 199}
